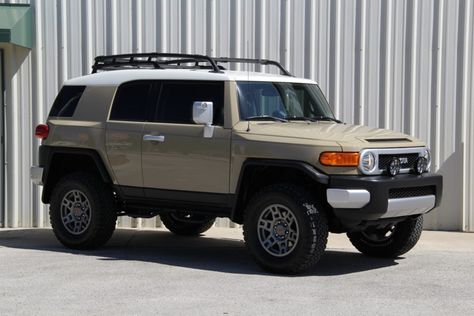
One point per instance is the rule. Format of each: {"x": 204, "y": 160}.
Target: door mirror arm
{"x": 208, "y": 131}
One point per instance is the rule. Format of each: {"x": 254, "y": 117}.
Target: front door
{"x": 178, "y": 162}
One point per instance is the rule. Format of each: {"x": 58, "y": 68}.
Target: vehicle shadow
{"x": 204, "y": 253}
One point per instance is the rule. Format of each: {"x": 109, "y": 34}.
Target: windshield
{"x": 281, "y": 100}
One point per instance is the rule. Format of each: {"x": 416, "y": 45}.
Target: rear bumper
{"x": 36, "y": 175}
{"x": 367, "y": 198}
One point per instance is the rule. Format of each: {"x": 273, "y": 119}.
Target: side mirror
{"x": 203, "y": 114}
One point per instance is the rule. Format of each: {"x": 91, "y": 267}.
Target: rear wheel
{"x": 82, "y": 211}
{"x": 187, "y": 224}
{"x": 389, "y": 242}
{"x": 285, "y": 229}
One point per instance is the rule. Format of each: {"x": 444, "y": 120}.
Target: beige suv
{"x": 181, "y": 137}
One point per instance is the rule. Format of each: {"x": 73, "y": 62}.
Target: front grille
{"x": 384, "y": 160}
{"x": 399, "y": 193}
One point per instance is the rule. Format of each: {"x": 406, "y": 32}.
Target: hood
{"x": 346, "y": 135}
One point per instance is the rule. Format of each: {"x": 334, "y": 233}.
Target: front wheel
{"x": 187, "y": 224}
{"x": 389, "y": 242}
{"x": 285, "y": 229}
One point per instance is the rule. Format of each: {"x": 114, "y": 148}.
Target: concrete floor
{"x": 155, "y": 272}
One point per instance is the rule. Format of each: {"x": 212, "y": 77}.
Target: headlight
{"x": 368, "y": 161}
{"x": 427, "y": 155}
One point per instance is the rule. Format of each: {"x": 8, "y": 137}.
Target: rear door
{"x": 129, "y": 111}
{"x": 178, "y": 162}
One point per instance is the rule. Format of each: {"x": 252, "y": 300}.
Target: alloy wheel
{"x": 75, "y": 212}
{"x": 278, "y": 230}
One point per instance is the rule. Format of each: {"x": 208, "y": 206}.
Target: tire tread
{"x": 407, "y": 235}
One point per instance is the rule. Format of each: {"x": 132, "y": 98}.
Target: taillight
{"x": 42, "y": 131}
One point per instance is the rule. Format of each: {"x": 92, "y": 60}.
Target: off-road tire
{"x": 312, "y": 226}
{"x": 186, "y": 228}
{"x": 102, "y": 212}
{"x": 403, "y": 239}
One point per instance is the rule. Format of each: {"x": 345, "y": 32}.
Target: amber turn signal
{"x": 339, "y": 159}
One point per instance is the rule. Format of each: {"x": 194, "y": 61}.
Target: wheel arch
{"x": 257, "y": 173}
{"x": 59, "y": 161}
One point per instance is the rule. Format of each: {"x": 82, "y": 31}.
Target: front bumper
{"x": 36, "y": 174}
{"x": 367, "y": 198}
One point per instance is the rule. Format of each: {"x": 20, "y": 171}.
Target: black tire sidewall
{"x": 97, "y": 206}
{"x": 404, "y": 238}
{"x": 308, "y": 233}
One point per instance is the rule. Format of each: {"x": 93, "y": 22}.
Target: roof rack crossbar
{"x": 122, "y": 65}
{"x": 111, "y": 61}
{"x": 253, "y": 61}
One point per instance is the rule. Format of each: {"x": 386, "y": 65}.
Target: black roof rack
{"x": 253, "y": 61}
{"x": 162, "y": 61}
{"x": 154, "y": 60}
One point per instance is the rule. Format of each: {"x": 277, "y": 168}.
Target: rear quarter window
{"x": 66, "y": 102}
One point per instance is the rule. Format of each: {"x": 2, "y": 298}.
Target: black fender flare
{"x": 309, "y": 170}
{"x": 48, "y": 153}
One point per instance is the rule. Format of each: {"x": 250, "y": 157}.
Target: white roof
{"x": 116, "y": 77}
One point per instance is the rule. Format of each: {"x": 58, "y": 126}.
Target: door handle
{"x": 154, "y": 138}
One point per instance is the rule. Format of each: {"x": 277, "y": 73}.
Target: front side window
{"x": 281, "y": 100}
{"x": 177, "y": 98}
{"x": 132, "y": 101}
{"x": 66, "y": 102}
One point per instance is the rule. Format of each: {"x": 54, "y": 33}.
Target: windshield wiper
{"x": 312, "y": 119}
{"x": 326, "y": 118}
{"x": 266, "y": 118}
{"x": 300, "y": 118}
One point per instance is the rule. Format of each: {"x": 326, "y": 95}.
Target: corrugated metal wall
{"x": 403, "y": 65}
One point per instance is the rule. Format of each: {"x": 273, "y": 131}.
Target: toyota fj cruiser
{"x": 182, "y": 137}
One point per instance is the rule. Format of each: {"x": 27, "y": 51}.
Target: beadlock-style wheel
{"x": 285, "y": 228}
{"x": 278, "y": 231}
{"x": 75, "y": 212}
{"x": 82, "y": 211}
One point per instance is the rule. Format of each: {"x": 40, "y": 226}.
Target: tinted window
{"x": 131, "y": 102}
{"x": 177, "y": 98}
{"x": 66, "y": 101}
